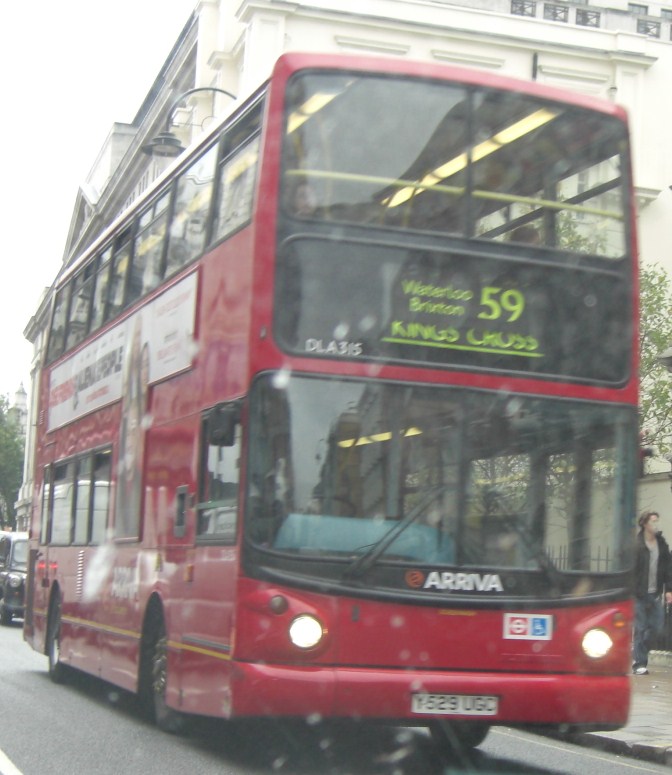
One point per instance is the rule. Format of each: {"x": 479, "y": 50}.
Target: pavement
{"x": 648, "y": 734}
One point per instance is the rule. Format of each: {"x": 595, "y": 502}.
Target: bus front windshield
{"x": 422, "y": 155}
{"x": 362, "y": 475}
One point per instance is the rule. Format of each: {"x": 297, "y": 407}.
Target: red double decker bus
{"x": 339, "y": 421}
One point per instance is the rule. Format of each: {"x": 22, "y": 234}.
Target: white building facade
{"x": 610, "y": 49}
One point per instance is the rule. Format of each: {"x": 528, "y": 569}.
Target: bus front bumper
{"x": 543, "y": 699}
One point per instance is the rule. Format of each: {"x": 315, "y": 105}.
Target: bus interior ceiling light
{"x": 374, "y": 437}
{"x": 311, "y": 106}
{"x": 166, "y": 144}
{"x": 504, "y": 137}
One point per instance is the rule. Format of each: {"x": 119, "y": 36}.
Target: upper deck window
{"x": 80, "y": 305}
{"x": 58, "y": 323}
{"x": 149, "y": 246}
{"x": 433, "y": 156}
{"x": 100, "y": 292}
{"x": 188, "y": 228}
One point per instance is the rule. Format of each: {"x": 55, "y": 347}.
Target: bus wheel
{"x": 57, "y": 669}
{"x": 167, "y": 719}
{"x": 454, "y": 737}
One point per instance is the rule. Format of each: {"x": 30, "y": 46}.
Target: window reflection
{"x": 192, "y": 204}
{"x": 472, "y": 162}
{"x": 475, "y": 479}
{"x": 218, "y": 489}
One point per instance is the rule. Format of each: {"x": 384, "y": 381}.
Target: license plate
{"x": 455, "y": 704}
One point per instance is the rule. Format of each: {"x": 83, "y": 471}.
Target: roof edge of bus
{"x": 297, "y": 60}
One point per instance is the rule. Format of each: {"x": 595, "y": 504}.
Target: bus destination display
{"x": 358, "y": 300}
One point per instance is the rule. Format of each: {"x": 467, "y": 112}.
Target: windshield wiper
{"x": 367, "y": 560}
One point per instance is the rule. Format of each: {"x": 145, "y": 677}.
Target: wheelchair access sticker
{"x": 528, "y": 627}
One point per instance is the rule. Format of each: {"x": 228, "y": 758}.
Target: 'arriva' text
{"x": 464, "y": 582}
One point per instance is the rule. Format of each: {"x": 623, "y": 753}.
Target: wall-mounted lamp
{"x": 166, "y": 143}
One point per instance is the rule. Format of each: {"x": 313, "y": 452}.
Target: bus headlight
{"x": 305, "y": 631}
{"x": 596, "y": 644}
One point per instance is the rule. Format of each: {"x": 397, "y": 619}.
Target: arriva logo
{"x": 455, "y": 582}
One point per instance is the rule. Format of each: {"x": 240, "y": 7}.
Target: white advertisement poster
{"x": 154, "y": 343}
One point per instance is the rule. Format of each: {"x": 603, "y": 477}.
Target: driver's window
{"x": 218, "y": 486}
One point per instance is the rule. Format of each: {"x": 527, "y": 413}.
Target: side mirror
{"x": 222, "y": 425}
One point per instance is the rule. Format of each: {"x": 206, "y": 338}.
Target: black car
{"x": 13, "y": 569}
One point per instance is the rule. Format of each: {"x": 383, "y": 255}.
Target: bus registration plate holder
{"x": 455, "y": 704}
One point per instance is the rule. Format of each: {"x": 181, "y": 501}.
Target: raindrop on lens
{"x": 341, "y": 331}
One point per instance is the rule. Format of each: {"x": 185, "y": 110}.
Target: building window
{"x": 637, "y": 9}
{"x": 523, "y": 7}
{"x": 650, "y": 28}
{"x": 556, "y": 13}
{"x": 587, "y": 18}
{"x": 666, "y": 14}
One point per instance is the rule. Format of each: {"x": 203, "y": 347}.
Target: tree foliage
{"x": 655, "y": 336}
{"x": 11, "y": 465}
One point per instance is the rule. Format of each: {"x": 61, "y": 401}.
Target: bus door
{"x": 210, "y": 571}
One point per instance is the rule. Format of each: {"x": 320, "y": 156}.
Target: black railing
{"x": 650, "y": 28}
{"x": 599, "y": 562}
{"x": 524, "y": 7}
{"x": 556, "y": 13}
{"x": 587, "y": 18}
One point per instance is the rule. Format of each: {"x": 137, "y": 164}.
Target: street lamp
{"x": 166, "y": 143}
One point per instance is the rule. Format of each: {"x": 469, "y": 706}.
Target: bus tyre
{"x": 451, "y": 737}
{"x": 57, "y": 669}
{"x": 167, "y": 719}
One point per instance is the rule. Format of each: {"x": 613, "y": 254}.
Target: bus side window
{"x": 46, "y": 499}
{"x": 190, "y": 216}
{"x": 219, "y": 473}
{"x": 235, "y": 191}
{"x": 62, "y": 513}
{"x": 100, "y": 499}
{"x": 100, "y": 291}
{"x": 119, "y": 273}
{"x": 82, "y": 501}
{"x": 145, "y": 271}
{"x": 80, "y": 305}
{"x": 58, "y": 321}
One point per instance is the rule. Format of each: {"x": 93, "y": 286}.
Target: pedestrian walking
{"x": 653, "y": 574}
